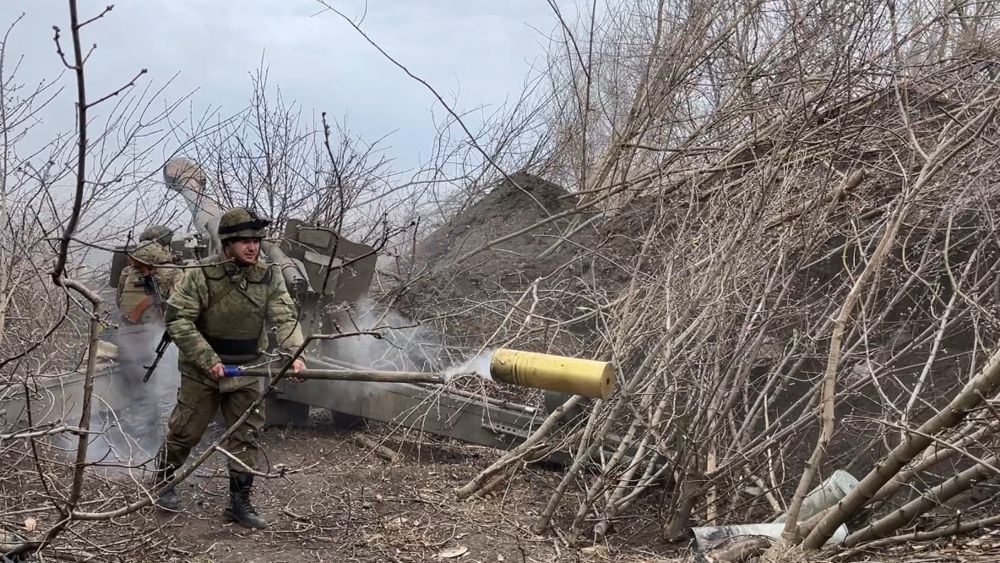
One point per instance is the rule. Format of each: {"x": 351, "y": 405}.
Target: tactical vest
{"x": 233, "y": 321}
{"x": 135, "y": 299}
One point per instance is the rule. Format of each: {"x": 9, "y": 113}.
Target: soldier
{"x": 216, "y": 316}
{"x": 135, "y": 295}
{"x": 143, "y": 288}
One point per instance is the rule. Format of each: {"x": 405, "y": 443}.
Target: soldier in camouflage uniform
{"x": 142, "y": 310}
{"x": 135, "y": 294}
{"x": 216, "y": 316}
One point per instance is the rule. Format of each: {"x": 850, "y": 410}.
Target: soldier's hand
{"x": 217, "y": 371}
{"x": 297, "y": 366}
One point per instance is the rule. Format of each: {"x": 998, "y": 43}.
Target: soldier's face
{"x": 245, "y": 250}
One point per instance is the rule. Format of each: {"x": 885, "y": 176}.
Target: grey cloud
{"x": 480, "y": 50}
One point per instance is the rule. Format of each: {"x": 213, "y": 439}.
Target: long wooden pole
{"x": 354, "y": 375}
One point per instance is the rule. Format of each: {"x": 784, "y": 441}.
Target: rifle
{"x": 160, "y": 349}
{"x": 149, "y": 280}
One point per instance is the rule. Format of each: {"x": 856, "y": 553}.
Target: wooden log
{"x": 380, "y": 449}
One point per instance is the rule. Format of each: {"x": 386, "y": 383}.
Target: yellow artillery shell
{"x": 555, "y": 373}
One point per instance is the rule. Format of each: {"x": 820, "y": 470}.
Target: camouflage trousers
{"x": 197, "y": 403}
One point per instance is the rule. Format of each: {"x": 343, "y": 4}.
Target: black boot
{"x": 240, "y": 510}
{"x": 168, "y": 499}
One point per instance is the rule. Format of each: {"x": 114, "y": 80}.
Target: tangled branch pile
{"x": 815, "y": 276}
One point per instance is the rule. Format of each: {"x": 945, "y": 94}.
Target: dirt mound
{"x": 509, "y": 207}
{"x": 477, "y": 293}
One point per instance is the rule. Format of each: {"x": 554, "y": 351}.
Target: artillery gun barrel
{"x": 188, "y": 179}
{"x": 294, "y": 280}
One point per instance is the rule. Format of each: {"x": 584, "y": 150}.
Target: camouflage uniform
{"x": 217, "y": 314}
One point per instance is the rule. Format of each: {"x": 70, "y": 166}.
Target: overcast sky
{"x": 478, "y": 51}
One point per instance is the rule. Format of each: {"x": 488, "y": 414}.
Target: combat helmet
{"x": 238, "y": 223}
{"x": 157, "y": 233}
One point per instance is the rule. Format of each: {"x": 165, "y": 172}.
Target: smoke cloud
{"x": 478, "y": 366}
{"x": 404, "y": 346}
{"x": 133, "y": 415}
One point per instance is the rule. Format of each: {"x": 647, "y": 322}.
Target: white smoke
{"x": 404, "y": 345}
{"x": 132, "y": 415}
{"x": 478, "y": 366}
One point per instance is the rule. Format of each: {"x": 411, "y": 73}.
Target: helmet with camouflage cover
{"x": 239, "y": 223}
{"x": 157, "y": 233}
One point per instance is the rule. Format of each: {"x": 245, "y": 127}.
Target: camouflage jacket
{"x": 134, "y": 296}
{"x": 219, "y": 312}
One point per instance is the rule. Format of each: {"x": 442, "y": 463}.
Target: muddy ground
{"x": 343, "y": 502}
